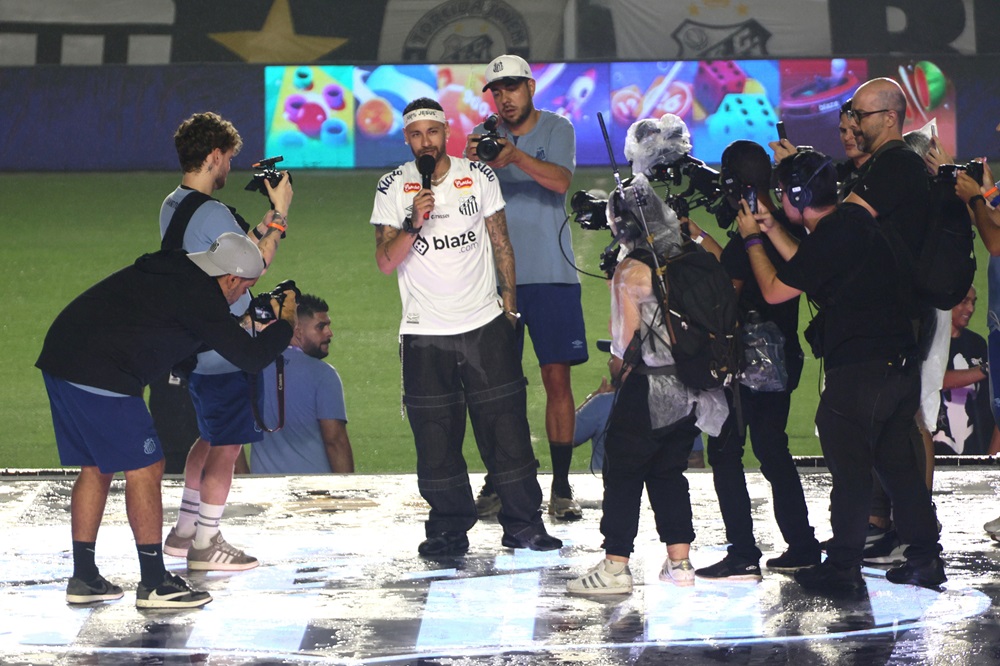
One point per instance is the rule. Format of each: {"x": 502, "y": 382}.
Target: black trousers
{"x": 765, "y": 416}
{"x": 637, "y": 456}
{"x": 479, "y": 373}
{"x": 864, "y": 419}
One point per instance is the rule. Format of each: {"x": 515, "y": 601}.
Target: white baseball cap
{"x": 230, "y": 254}
{"x": 507, "y": 67}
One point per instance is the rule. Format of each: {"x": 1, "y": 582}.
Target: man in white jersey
{"x": 447, "y": 241}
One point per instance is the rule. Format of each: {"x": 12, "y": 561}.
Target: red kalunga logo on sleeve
{"x": 462, "y": 183}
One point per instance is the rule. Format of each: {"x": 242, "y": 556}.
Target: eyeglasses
{"x": 858, "y": 116}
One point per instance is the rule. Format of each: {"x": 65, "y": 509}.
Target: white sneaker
{"x": 600, "y": 580}
{"x": 564, "y": 508}
{"x": 993, "y": 529}
{"x": 680, "y": 573}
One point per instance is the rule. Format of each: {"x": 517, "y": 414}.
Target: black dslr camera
{"x": 489, "y": 146}
{"x": 949, "y": 172}
{"x": 260, "y": 306}
{"x": 266, "y": 171}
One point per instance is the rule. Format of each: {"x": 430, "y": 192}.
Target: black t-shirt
{"x": 895, "y": 183}
{"x": 965, "y": 422}
{"x": 134, "y": 325}
{"x": 847, "y": 267}
{"x": 736, "y": 261}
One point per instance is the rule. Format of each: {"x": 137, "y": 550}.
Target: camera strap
{"x": 173, "y": 238}
{"x": 279, "y": 389}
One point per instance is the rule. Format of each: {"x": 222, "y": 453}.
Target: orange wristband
{"x": 280, "y": 227}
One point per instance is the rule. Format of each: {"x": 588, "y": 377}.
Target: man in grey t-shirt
{"x": 535, "y": 167}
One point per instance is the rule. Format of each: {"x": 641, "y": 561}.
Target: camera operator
{"x": 655, "y": 417}
{"x": 746, "y": 171}
{"x": 439, "y": 223}
{"x": 190, "y": 218}
{"x": 987, "y": 219}
{"x": 535, "y": 166}
{"x": 137, "y": 324}
{"x": 867, "y": 341}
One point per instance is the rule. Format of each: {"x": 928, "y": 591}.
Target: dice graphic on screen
{"x": 716, "y": 79}
{"x": 746, "y": 116}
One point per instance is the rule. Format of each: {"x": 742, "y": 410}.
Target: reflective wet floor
{"x": 340, "y": 582}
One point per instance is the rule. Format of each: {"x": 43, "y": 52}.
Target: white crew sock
{"x": 209, "y": 517}
{"x": 187, "y": 514}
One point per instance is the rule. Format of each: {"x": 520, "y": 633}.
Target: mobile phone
{"x": 750, "y": 194}
{"x": 780, "y": 126}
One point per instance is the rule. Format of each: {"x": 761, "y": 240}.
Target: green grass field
{"x": 66, "y": 231}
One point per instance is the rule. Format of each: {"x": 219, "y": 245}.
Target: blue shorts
{"x": 222, "y": 404}
{"x": 115, "y": 434}
{"x": 553, "y": 316}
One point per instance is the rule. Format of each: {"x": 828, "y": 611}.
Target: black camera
{"x": 949, "y": 172}
{"x": 266, "y": 171}
{"x": 590, "y": 210}
{"x": 489, "y": 146}
{"x": 260, "y": 306}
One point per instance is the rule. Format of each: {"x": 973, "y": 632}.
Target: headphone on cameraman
{"x": 798, "y": 193}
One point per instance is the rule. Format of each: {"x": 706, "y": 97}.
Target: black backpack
{"x": 947, "y": 263}
{"x": 701, "y": 316}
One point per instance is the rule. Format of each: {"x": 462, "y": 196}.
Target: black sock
{"x": 151, "y": 569}
{"x": 562, "y": 456}
{"x": 84, "y": 566}
{"x": 488, "y": 486}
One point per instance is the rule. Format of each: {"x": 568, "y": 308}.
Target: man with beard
{"x": 535, "y": 166}
{"x": 869, "y": 349}
{"x": 313, "y": 439}
{"x": 441, "y": 227}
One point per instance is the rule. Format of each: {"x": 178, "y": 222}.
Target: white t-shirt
{"x": 447, "y": 284}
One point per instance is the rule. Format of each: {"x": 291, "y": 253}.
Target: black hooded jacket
{"x": 133, "y": 326}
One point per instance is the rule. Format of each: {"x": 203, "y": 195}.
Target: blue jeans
{"x": 479, "y": 372}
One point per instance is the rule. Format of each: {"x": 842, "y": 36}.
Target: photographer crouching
{"x": 137, "y": 324}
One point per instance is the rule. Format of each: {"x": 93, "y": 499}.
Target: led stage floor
{"x": 341, "y": 583}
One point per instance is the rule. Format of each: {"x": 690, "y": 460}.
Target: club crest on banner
{"x": 740, "y": 40}
{"x": 467, "y": 31}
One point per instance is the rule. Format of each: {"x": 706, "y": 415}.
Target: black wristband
{"x": 755, "y": 234}
{"x": 408, "y": 226}
{"x": 973, "y": 200}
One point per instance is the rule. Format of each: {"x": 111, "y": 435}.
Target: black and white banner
{"x": 445, "y": 31}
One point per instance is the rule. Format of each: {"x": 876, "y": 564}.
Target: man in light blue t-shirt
{"x": 314, "y": 437}
{"x": 535, "y": 166}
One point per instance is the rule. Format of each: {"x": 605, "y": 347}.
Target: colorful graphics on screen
{"x": 309, "y": 111}
{"x": 930, "y": 95}
{"x": 812, "y": 92}
{"x": 720, "y": 100}
{"x": 344, "y": 116}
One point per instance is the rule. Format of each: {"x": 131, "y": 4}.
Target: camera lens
{"x": 487, "y": 149}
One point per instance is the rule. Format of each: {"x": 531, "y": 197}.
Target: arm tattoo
{"x": 503, "y": 255}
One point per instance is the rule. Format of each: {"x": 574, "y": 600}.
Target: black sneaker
{"x": 173, "y": 592}
{"x": 730, "y": 568}
{"x": 830, "y": 579}
{"x": 793, "y": 560}
{"x": 883, "y": 547}
{"x": 537, "y": 541}
{"x": 930, "y": 575}
{"x": 79, "y": 591}
{"x": 446, "y": 544}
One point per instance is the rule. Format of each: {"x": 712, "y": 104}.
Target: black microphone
{"x": 425, "y": 165}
